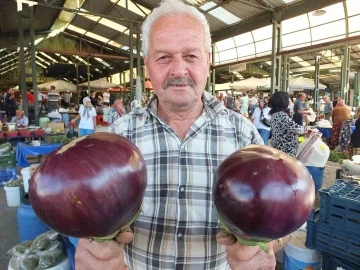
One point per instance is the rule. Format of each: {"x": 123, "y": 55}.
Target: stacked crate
{"x": 335, "y": 228}
{"x": 7, "y": 164}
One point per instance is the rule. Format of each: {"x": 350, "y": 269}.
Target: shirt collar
{"x": 212, "y": 106}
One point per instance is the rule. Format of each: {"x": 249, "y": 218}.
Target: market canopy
{"x": 99, "y": 84}
{"x": 303, "y": 83}
{"x": 251, "y": 83}
{"x": 60, "y": 86}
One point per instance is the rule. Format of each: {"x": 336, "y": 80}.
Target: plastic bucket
{"x": 105, "y": 116}
{"x": 317, "y": 174}
{"x": 64, "y": 265}
{"x": 25, "y": 173}
{"x": 12, "y": 196}
{"x": 297, "y": 256}
{"x": 29, "y": 224}
{"x": 43, "y": 120}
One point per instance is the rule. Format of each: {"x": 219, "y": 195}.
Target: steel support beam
{"x": 284, "y": 13}
{"x": 275, "y": 58}
{"x": 22, "y": 84}
{"x": 33, "y": 64}
{"x": 77, "y": 82}
{"x": 357, "y": 89}
{"x": 213, "y": 71}
{"x": 345, "y": 72}
{"x": 285, "y": 73}
{"x": 88, "y": 73}
{"x": 131, "y": 48}
{"x": 316, "y": 80}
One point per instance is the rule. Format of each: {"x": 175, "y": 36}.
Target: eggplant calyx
{"x": 262, "y": 244}
{"x": 112, "y": 236}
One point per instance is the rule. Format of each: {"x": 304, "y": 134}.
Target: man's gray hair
{"x": 171, "y": 8}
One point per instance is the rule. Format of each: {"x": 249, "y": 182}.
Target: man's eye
{"x": 165, "y": 57}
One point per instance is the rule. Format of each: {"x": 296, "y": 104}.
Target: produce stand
{"x": 24, "y": 149}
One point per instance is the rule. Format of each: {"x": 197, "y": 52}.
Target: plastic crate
{"x": 331, "y": 262}
{"x": 340, "y": 206}
{"x": 6, "y": 175}
{"x": 333, "y": 241}
{"x": 7, "y": 160}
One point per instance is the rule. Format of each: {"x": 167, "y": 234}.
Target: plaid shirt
{"x": 178, "y": 225}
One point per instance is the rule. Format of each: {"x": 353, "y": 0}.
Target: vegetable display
{"x": 91, "y": 187}
{"x": 262, "y": 194}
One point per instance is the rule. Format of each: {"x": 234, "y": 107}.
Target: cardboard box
{"x": 56, "y": 125}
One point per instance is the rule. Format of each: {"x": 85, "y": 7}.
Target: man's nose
{"x": 179, "y": 67}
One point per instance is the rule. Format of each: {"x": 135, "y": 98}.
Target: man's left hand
{"x": 248, "y": 257}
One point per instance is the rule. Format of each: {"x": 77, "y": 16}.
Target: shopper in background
{"x": 87, "y": 116}
{"x": 116, "y": 111}
{"x": 261, "y": 113}
{"x": 339, "y": 115}
{"x": 106, "y": 97}
{"x": 244, "y": 100}
{"x": 299, "y": 109}
{"x": 253, "y": 104}
{"x": 328, "y": 107}
{"x": 53, "y": 99}
{"x": 285, "y": 131}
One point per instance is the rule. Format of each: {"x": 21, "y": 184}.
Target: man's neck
{"x": 180, "y": 121}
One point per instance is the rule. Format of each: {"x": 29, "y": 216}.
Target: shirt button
{"x": 182, "y": 189}
{"x": 180, "y": 235}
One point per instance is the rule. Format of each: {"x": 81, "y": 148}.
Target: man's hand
{"x": 242, "y": 257}
{"x": 107, "y": 255}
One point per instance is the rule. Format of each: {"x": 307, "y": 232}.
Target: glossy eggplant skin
{"x": 262, "y": 194}
{"x": 90, "y": 187}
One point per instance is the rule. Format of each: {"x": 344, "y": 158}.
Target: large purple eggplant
{"x": 91, "y": 187}
{"x": 262, "y": 194}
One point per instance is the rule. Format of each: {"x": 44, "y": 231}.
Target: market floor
{"x": 9, "y": 230}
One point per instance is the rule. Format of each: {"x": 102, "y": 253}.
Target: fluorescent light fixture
{"x": 225, "y": 16}
{"x": 48, "y": 57}
{"x": 335, "y": 70}
{"x": 208, "y": 5}
{"x": 37, "y": 62}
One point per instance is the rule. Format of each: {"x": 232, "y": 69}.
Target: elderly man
{"x": 20, "y": 119}
{"x": 328, "y": 107}
{"x": 299, "y": 109}
{"x": 184, "y": 134}
{"x": 116, "y": 111}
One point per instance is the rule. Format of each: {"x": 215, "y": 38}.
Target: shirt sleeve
{"x": 93, "y": 112}
{"x": 290, "y": 125}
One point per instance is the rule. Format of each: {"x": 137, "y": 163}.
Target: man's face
{"x": 178, "y": 64}
{"x": 19, "y": 114}
{"x": 302, "y": 97}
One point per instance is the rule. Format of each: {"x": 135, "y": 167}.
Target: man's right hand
{"x": 106, "y": 255}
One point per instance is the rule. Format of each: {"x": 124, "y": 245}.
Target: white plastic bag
{"x": 313, "y": 152}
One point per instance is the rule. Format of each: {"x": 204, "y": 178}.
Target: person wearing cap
{"x": 87, "y": 115}
{"x": 20, "y": 118}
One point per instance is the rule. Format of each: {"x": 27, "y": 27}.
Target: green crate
{"x": 7, "y": 160}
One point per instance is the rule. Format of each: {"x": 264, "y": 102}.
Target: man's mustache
{"x": 173, "y": 81}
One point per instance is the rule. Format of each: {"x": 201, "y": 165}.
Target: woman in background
{"x": 285, "y": 132}
{"x": 259, "y": 114}
{"x": 339, "y": 115}
{"x": 87, "y": 116}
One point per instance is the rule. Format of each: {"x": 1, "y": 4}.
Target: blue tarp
{"x": 23, "y": 149}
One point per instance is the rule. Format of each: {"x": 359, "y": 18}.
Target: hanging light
{"x": 148, "y": 85}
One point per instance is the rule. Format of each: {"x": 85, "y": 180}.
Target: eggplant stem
{"x": 262, "y": 244}
{"x": 112, "y": 236}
